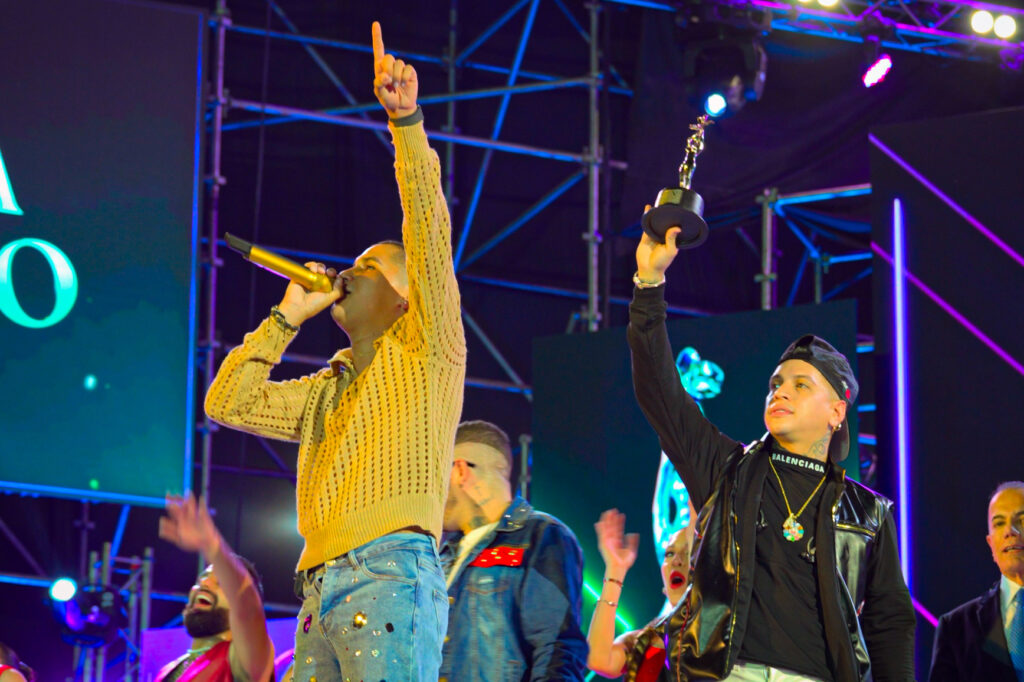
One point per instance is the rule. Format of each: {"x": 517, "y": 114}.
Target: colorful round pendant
{"x": 791, "y": 529}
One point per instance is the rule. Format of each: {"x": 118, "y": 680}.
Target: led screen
{"x": 99, "y": 131}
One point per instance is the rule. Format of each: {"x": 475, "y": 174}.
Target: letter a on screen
{"x": 8, "y": 204}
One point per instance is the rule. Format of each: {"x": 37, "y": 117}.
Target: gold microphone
{"x": 279, "y": 265}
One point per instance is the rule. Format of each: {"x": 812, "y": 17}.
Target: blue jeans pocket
{"x": 399, "y": 566}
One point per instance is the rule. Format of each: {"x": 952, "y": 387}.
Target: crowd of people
{"x": 789, "y": 571}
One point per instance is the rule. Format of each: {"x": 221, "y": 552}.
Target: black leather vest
{"x": 704, "y": 631}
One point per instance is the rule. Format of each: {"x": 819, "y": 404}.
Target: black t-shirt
{"x": 784, "y": 625}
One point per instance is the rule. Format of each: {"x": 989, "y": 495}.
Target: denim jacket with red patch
{"x": 515, "y": 602}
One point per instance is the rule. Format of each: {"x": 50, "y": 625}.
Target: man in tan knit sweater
{"x": 375, "y": 428}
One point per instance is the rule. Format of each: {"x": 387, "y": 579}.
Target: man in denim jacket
{"x": 515, "y": 575}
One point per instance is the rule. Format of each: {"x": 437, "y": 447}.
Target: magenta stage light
{"x": 919, "y": 607}
{"x": 876, "y": 72}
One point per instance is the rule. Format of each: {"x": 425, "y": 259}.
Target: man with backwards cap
{"x": 795, "y": 574}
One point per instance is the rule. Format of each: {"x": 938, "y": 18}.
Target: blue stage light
{"x": 92, "y": 617}
{"x": 714, "y": 104}
{"x": 63, "y": 589}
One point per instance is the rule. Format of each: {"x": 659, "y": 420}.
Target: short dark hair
{"x": 492, "y": 435}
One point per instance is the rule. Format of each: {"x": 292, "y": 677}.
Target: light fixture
{"x": 63, "y": 589}
{"x": 715, "y": 104}
{"x": 876, "y": 62}
{"x": 725, "y": 72}
{"x": 981, "y": 21}
{"x": 876, "y": 72}
{"x": 828, "y": 3}
{"x": 91, "y": 617}
{"x": 1005, "y": 26}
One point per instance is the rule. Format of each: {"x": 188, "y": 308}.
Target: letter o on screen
{"x": 65, "y": 283}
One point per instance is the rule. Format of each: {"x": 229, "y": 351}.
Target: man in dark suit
{"x": 983, "y": 639}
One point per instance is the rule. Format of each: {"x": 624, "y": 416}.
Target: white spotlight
{"x": 828, "y": 3}
{"x": 1005, "y": 26}
{"x": 981, "y": 21}
{"x": 63, "y": 589}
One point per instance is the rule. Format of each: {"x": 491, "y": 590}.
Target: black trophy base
{"x": 682, "y": 208}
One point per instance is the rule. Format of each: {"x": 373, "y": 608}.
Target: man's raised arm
{"x": 426, "y": 224}
{"x": 694, "y": 445}
{"x": 189, "y": 526}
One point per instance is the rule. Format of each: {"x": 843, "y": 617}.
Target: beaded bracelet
{"x": 278, "y": 317}
{"x": 614, "y": 580}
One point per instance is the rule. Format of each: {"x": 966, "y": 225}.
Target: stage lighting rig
{"x": 877, "y": 64}
{"x": 91, "y": 616}
{"x": 725, "y": 71}
{"x": 702, "y": 16}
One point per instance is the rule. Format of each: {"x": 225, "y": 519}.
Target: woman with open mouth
{"x": 639, "y": 655}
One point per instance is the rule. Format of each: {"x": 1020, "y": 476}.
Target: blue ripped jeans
{"x": 378, "y": 612}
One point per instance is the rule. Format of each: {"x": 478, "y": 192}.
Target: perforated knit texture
{"x": 375, "y": 451}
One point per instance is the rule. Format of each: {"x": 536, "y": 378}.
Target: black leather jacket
{"x": 867, "y": 614}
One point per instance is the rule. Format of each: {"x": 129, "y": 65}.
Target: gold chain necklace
{"x": 791, "y": 528}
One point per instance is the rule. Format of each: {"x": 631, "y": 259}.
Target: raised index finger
{"x": 378, "y": 43}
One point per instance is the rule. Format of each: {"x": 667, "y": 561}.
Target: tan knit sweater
{"x": 375, "y": 450}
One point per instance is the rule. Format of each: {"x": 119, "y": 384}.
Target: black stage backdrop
{"x": 964, "y": 423}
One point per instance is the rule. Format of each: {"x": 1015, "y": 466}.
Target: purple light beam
{"x": 925, "y": 612}
{"x": 899, "y": 291}
{"x": 974, "y": 222}
{"x": 954, "y": 313}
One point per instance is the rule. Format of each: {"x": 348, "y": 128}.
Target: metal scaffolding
{"x": 592, "y": 164}
{"x": 774, "y": 208}
{"x": 936, "y": 27}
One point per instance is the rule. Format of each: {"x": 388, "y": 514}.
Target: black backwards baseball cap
{"x": 834, "y": 366}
